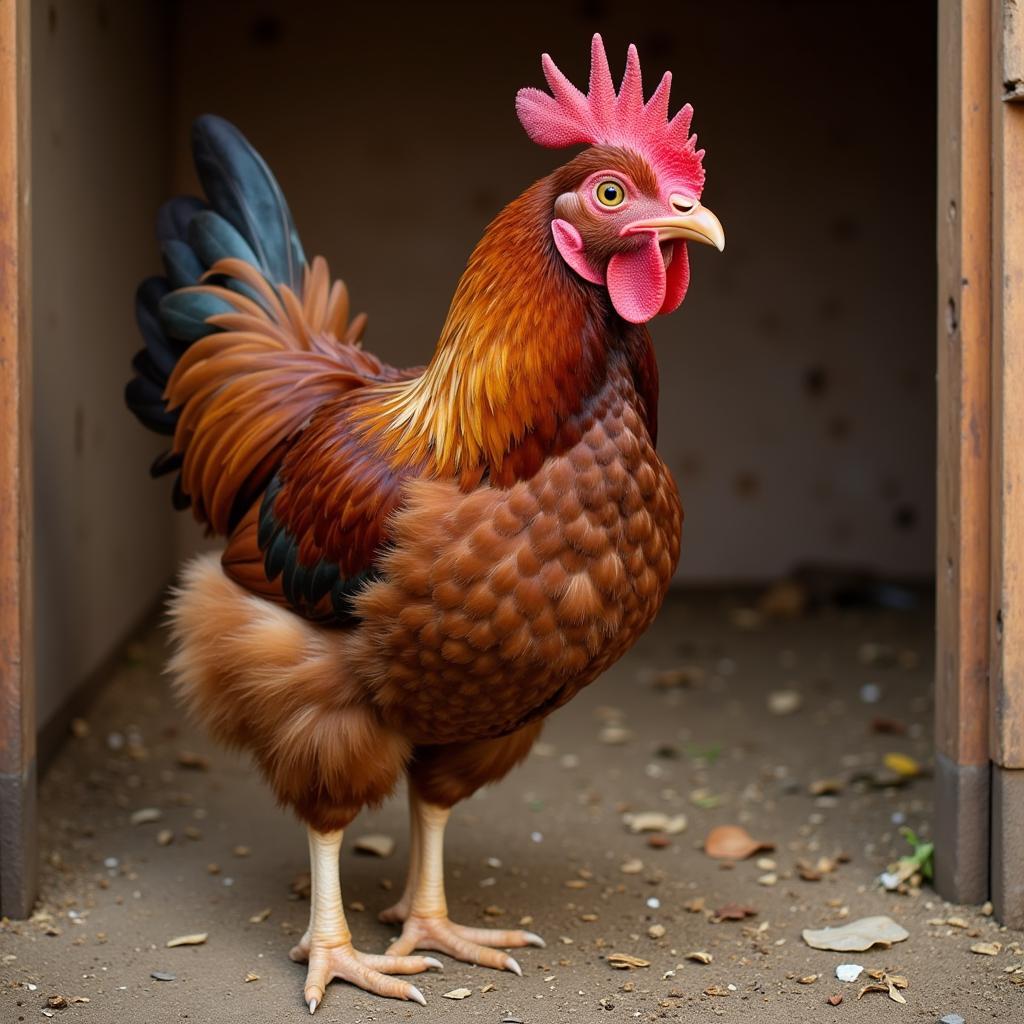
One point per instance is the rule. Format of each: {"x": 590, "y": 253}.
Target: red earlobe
{"x": 570, "y": 245}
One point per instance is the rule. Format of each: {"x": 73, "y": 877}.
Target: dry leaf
{"x": 731, "y": 842}
{"x": 902, "y": 764}
{"x": 458, "y": 993}
{"x": 856, "y": 936}
{"x": 196, "y": 939}
{"x": 733, "y": 912}
{"x": 987, "y": 948}
{"x": 700, "y": 956}
{"x": 251, "y": 977}
{"x": 888, "y": 983}
{"x": 625, "y": 962}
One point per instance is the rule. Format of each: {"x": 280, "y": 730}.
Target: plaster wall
{"x": 798, "y": 378}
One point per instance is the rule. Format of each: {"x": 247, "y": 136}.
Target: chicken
{"x": 420, "y": 565}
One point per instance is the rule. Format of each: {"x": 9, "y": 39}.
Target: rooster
{"x": 420, "y": 565}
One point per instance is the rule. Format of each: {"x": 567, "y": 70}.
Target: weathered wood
{"x": 1007, "y": 843}
{"x": 1007, "y": 678}
{"x": 964, "y": 381}
{"x": 1006, "y": 700}
{"x": 1013, "y": 51}
{"x": 17, "y": 703}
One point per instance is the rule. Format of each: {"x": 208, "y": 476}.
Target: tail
{"x": 243, "y": 338}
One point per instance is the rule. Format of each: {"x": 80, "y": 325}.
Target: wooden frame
{"x": 17, "y": 703}
{"x": 1006, "y": 702}
{"x": 980, "y": 558}
{"x": 964, "y": 373}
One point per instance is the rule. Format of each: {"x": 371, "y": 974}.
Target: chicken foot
{"x": 327, "y": 944}
{"x": 424, "y": 909}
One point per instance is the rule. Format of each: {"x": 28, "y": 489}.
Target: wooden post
{"x": 1007, "y": 682}
{"x": 17, "y": 695}
{"x": 962, "y": 570}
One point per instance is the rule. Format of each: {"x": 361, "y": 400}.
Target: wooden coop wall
{"x": 797, "y": 406}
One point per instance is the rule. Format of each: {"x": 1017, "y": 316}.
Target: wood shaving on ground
{"x": 376, "y": 845}
{"x": 624, "y": 961}
{"x": 655, "y": 821}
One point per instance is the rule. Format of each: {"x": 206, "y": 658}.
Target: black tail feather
{"x": 246, "y": 217}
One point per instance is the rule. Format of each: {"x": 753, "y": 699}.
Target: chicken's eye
{"x": 610, "y": 193}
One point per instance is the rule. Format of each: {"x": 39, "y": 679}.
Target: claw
{"x": 514, "y": 967}
{"x": 313, "y": 1005}
{"x": 434, "y": 962}
{"x": 417, "y": 996}
{"x": 535, "y": 940}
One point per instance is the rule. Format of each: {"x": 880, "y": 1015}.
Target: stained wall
{"x": 798, "y": 377}
{"x": 104, "y": 534}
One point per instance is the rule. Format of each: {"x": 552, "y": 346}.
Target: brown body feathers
{"x": 420, "y": 565}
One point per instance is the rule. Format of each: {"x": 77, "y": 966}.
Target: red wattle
{"x": 677, "y": 277}
{"x": 637, "y": 281}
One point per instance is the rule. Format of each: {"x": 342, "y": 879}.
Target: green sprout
{"x": 921, "y": 859}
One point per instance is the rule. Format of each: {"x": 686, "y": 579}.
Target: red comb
{"x": 604, "y": 117}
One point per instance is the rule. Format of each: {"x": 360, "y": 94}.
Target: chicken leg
{"x": 327, "y": 944}
{"x": 424, "y": 910}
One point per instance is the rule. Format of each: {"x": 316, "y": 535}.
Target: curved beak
{"x": 692, "y": 222}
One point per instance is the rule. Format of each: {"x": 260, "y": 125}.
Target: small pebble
{"x": 162, "y": 976}
{"x": 848, "y": 972}
{"x": 951, "y": 1018}
{"x": 870, "y": 693}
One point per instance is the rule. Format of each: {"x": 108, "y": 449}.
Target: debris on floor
{"x": 746, "y": 777}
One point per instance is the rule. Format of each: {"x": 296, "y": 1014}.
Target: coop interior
{"x": 786, "y": 686}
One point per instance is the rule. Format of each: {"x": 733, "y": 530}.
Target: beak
{"x": 692, "y": 222}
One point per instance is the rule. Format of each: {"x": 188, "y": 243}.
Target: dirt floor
{"x": 781, "y": 727}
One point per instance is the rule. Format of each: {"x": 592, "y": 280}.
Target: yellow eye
{"x": 610, "y": 193}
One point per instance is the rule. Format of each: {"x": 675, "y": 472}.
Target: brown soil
{"x": 547, "y": 845}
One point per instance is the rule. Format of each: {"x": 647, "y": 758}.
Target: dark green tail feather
{"x": 245, "y": 216}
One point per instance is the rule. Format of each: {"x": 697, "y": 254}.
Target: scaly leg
{"x": 397, "y": 913}
{"x": 327, "y": 944}
{"x": 426, "y": 921}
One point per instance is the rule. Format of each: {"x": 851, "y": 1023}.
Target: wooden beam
{"x": 964, "y": 376}
{"x": 17, "y": 696}
{"x": 1006, "y": 703}
{"x": 1012, "y": 76}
